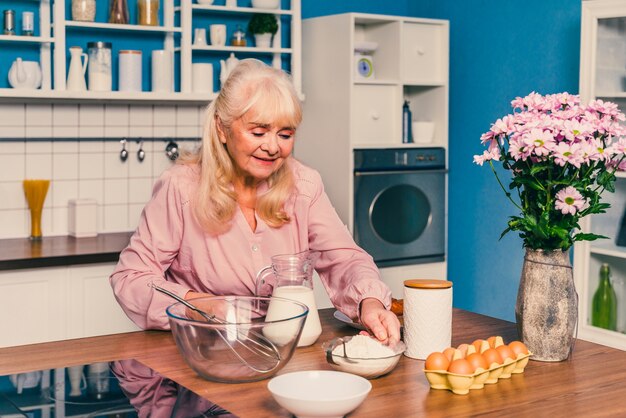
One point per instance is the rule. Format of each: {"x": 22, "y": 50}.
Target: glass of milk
{"x": 290, "y": 276}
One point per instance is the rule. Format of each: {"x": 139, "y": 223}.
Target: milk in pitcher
{"x": 278, "y": 309}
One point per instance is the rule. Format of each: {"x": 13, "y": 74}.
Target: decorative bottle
{"x": 604, "y": 304}
{"x": 407, "y": 136}
{"x": 118, "y": 11}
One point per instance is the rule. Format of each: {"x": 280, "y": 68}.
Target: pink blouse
{"x": 171, "y": 250}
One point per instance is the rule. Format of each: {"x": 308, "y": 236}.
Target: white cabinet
{"x": 33, "y": 304}
{"x": 344, "y": 111}
{"x": 178, "y": 20}
{"x": 602, "y": 75}
{"x": 92, "y": 308}
{"x": 59, "y": 303}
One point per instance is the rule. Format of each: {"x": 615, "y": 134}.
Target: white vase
{"x": 263, "y": 40}
{"x": 78, "y": 67}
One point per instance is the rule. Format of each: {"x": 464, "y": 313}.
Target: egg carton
{"x": 462, "y": 383}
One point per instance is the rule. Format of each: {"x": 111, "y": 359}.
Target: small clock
{"x": 364, "y": 66}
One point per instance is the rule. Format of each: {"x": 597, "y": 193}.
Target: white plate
{"x": 345, "y": 319}
{"x": 365, "y": 47}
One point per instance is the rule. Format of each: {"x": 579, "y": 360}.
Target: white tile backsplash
{"x": 13, "y": 223}
{"x": 12, "y": 193}
{"x": 91, "y": 189}
{"x": 12, "y": 167}
{"x": 164, "y": 116}
{"x": 38, "y": 115}
{"x": 38, "y": 166}
{"x": 65, "y": 131}
{"x": 116, "y": 218}
{"x": 115, "y": 191}
{"x": 65, "y": 115}
{"x": 64, "y": 166}
{"x": 62, "y": 191}
{"x": 88, "y": 168}
{"x": 91, "y": 115}
{"x": 12, "y": 115}
{"x": 12, "y": 147}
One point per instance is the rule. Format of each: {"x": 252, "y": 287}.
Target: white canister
{"x": 423, "y": 132}
{"x": 202, "y": 77}
{"x": 82, "y": 218}
{"x": 427, "y": 317}
{"x": 162, "y": 71}
{"x": 130, "y": 70}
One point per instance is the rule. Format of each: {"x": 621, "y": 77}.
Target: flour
{"x": 367, "y": 357}
{"x": 362, "y": 346}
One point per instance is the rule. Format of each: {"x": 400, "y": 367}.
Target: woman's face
{"x": 257, "y": 149}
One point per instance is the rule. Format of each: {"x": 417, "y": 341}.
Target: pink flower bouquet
{"x": 562, "y": 155}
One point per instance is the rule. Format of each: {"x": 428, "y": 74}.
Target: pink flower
{"x": 569, "y": 201}
{"x": 568, "y": 153}
{"x": 539, "y": 142}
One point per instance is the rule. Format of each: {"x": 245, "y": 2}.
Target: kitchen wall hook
{"x": 123, "y": 152}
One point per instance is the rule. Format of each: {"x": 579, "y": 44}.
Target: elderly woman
{"x": 217, "y": 217}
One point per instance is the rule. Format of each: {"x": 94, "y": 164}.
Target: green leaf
{"x": 588, "y": 237}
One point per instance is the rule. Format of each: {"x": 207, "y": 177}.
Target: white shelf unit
{"x": 45, "y": 40}
{"x": 602, "y": 74}
{"x": 177, "y": 37}
{"x": 188, "y": 11}
{"x": 343, "y": 112}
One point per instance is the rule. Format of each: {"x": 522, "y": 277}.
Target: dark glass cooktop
{"x": 118, "y": 389}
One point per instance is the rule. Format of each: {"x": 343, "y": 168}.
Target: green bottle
{"x": 604, "y": 305}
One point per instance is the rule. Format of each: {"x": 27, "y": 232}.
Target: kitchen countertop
{"x": 22, "y": 253}
{"x": 590, "y": 383}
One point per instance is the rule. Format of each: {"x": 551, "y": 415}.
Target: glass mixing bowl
{"x": 234, "y": 342}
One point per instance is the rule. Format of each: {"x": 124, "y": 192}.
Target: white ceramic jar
{"x": 129, "y": 70}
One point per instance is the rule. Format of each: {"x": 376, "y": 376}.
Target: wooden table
{"x": 591, "y": 383}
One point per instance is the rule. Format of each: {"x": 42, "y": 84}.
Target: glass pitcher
{"x": 290, "y": 276}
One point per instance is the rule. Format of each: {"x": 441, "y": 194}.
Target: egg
{"x": 477, "y": 361}
{"x": 436, "y": 361}
{"x": 491, "y": 356}
{"x": 461, "y": 366}
{"x": 492, "y": 341}
{"x": 463, "y": 349}
{"x": 506, "y": 352}
{"x": 518, "y": 348}
{"x": 449, "y": 352}
{"x": 478, "y": 344}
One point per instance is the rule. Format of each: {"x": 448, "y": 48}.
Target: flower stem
{"x": 508, "y": 195}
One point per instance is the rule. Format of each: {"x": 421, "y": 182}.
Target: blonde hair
{"x": 270, "y": 92}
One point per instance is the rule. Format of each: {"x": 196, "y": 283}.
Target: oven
{"x": 399, "y": 204}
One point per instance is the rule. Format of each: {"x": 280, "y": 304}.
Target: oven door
{"x": 399, "y": 216}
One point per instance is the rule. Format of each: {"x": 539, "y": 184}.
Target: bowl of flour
{"x": 362, "y": 355}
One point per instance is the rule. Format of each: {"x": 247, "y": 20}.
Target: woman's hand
{"x": 381, "y": 323}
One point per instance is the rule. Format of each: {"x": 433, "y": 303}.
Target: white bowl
{"x": 369, "y": 368}
{"x": 205, "y": 1}
{"x": 319, "y": 393}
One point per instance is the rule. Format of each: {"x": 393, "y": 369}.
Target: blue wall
{"x": 498, "y": 50}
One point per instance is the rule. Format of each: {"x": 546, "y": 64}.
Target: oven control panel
{"x": 399, "y": 159}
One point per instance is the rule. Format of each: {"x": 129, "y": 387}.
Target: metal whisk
{"x": 259, "y": 345}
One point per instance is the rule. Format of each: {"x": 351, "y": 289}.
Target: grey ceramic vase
{"x": 547, "y": 305}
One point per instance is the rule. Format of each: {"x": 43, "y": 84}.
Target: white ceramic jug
{"x": 78, "y": 67}
{"x": 23, "y": 381}
{"x": 25, "y": 74}
{"x": 227, "y": 66}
